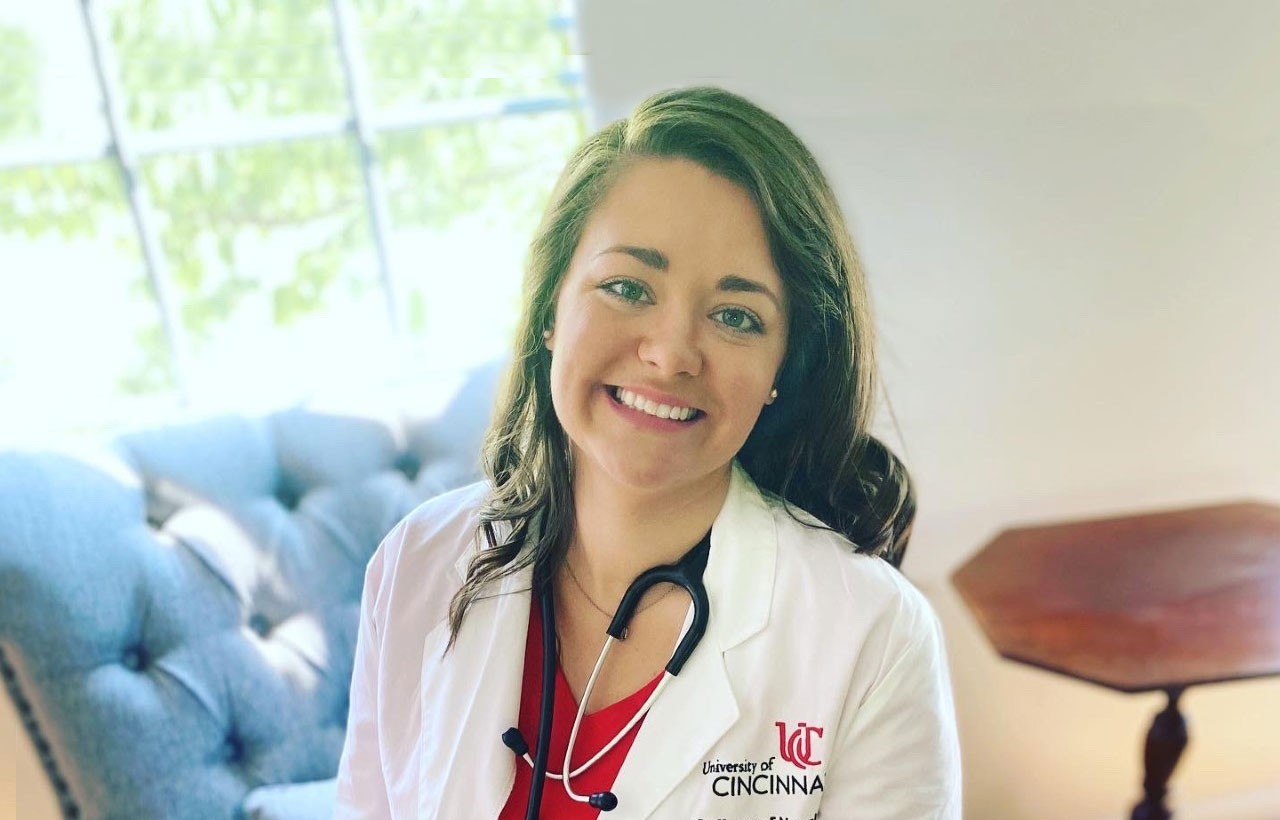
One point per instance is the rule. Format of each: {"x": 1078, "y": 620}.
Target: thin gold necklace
{"x": 573, "y": 577}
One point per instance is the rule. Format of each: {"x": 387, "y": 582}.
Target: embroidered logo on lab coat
{"x": 797, "y": 747}
{"x": 739, "y": 778}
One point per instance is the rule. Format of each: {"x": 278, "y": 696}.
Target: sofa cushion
{"x": 179, "y": 610}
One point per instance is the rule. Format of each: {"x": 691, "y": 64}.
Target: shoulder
{"x": 419, "y": 554}
{"x": 436, "y": 524}
{"x": 444, "y": 519}
{"x": 863, "y": 592}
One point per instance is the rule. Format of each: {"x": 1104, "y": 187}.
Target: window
{"x": 220, "y": 205}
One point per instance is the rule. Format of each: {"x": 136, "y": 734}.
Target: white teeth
{"x": 662, "y": 411}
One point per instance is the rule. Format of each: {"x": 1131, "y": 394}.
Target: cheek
{"x": 589, "y": 334}
{"x": 581, "y": 348}
{"x": 571, "y": 313}
{"x": 746, "y": 395}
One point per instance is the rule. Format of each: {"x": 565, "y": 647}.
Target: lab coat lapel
{"x": 471, "y": 702}
{"x": 699, "y": 706}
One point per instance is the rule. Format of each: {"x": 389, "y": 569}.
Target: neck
{"x": 620, "y": 532}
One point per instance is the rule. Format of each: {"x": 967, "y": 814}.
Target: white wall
{"x": 1070, "y": 216}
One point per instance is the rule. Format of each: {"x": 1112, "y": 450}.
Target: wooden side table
{"x": 1159, "y": 601}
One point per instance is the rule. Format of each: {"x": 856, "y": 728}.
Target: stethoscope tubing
{"x": 687, "y": 574}
{"x": 547, "y": 708}
{"x": 636, "y": 718}
{"x": 577, "y": 720}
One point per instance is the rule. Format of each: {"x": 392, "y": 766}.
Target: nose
{"x": 671, "y": 345}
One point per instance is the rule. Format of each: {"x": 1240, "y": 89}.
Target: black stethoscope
{"x": 686, "y": 573}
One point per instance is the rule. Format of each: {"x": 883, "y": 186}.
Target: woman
{"x": 692, "y": 381}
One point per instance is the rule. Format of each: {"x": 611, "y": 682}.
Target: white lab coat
{"x": 836, "y": 647}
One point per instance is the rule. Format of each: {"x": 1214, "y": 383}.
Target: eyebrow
{"x": 656, "y": 259}
{"x": 739, "y": 284}
{"x": 652, "y": 257}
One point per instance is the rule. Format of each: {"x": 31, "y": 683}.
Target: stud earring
{"x": 773, "y": 394}
{"x": 546, "y": 334}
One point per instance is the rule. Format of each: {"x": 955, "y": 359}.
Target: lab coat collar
{"x": 699, "y": 706}
{"x": 693, "y": 713}
{"x": 744, "y": 550}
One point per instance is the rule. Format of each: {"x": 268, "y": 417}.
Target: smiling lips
{"x": 653, "y": 408}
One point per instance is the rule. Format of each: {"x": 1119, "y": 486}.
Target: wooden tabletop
{"x": 1136, "y": 603}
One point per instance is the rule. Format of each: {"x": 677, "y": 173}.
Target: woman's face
{"x": 671, "y": 306}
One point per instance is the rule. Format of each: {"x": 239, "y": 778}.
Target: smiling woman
{"x": 687, "y": 410}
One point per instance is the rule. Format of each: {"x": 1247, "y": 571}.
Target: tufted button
{"x": 409, "y": 464}
{"x": 232, "y": 749}
{"x": 135, "y": 658}
{"x": 260, "y": 624}
{"x": 288, "y": 493}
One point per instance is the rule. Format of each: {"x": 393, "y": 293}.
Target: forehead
{"x": 702, "y": 222}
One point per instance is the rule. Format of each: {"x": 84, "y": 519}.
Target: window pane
{"x": 81, "y": 345}
{"x": 191, "y": 64}
{"x": 49, "y": 95}
{"x": 267, "y": 250}
{"x": 420, "y": 51}
{"x": 269, "y": 255}
{"x": 465, "y": 200}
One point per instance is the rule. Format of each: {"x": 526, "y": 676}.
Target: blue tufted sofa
{"x": 178, "y": 611}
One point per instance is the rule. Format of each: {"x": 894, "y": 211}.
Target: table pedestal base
{"x": 1165, "y": 742}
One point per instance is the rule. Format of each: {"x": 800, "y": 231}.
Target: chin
{"x": 663, "y": 475}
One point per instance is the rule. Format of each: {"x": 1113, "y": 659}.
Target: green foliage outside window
{"x": 191, "y": 65}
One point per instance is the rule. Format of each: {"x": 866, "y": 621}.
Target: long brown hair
{"x": 809, "y": 448}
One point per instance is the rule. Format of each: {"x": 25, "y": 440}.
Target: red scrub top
{"x": 597, "y": 729}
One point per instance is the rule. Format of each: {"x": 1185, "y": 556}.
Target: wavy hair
{"x": 811, "y": 448}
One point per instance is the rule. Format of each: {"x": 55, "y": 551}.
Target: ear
{"x": 548, "y": 339}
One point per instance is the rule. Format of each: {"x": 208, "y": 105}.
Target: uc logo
{"x": 796, "y": 747}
